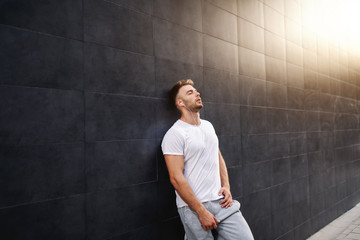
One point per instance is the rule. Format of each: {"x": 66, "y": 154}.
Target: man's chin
{"x": 199, "y": 107}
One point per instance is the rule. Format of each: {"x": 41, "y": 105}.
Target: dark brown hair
{"x": 175, "y": 89}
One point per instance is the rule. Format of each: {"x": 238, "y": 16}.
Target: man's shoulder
{"x": 206, "y": 122}
{"x": 176, "y": 129}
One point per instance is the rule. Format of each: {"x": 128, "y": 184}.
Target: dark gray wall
{"x": 83, "y": 111}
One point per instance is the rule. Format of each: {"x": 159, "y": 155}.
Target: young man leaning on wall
{"x": 198, "y": 172}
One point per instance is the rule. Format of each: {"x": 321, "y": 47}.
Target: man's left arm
{"x": 225, "y": 185}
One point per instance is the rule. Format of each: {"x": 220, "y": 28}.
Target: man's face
{"x": 190, "y": 97}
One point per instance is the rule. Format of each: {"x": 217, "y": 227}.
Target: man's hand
{"x": 227, "y": 201}
{"x": 208, "y": 221}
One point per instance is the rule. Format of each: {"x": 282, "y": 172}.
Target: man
{"x": 198, "y": 172}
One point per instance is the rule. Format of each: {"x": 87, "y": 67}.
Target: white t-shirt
{"x": 199, "y": 145}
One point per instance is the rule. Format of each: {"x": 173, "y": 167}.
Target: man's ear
{"x": 179, "y": 102}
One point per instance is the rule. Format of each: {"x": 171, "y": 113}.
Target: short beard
{"x": 196, "y": 108}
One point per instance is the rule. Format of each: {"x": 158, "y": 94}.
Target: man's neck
{"x": 191, "y": 118}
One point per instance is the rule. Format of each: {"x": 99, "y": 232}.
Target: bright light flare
{"x": 339, "y": 20}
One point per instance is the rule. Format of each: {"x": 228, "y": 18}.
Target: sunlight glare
{"x": 338, "y": 20}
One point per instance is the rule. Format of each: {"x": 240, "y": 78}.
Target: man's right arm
{"x": 175, "y": 165}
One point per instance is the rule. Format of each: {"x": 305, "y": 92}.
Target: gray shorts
{"x": 232, "y": 224}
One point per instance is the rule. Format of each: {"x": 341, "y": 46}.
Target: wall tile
{"x": 214, "y": 20}
{"x": 326, "y": 102}
{"x": 309, "y": 40}
{"x": 253, "y": 120}
{"x": 299, "y": 166}
{"x": 327, "y": 121}
{"x": 39, "y": 172}
{"x": 252, "y": 91}
{"x": 171, "y": 229}
{"x": 294, "y": 54}
{"x": 344, "y": 105}
{"x": 274, "y": 21}
{"x": 144, "y": 233}
{"x": 163, "y": 175}
{"x": 346, "y": 121}
{"x": 312, "y": 121}
{"x": 323, "y": 65}
{"x": 105, "y": 210}
{"x": 281, "y": 174}
{"x": 58, "y": 18}
{"x": 140, "y": 5}
{"x": 166, "y": 116}
{"x": 317, "y": 165}
{"x": 186, "y": 13}
{"x": 235, "y": 178}
{"x": 346, "y": 138}
{"x": 278, "y": 5}
{"x": 297, "y": 143}
{"x": 334, "y": 69}
{"x": 296, "y": 121}
{"x": 251, "y": 63}
{"x": 295, "y": 98}
{"x": 230, "y": 5}
{"x": 116, "y": 117}
{"x": 293, "y": 31}
{"x": 56, "y": 219}
{"x": 300, "y": 189}
{"x": 109, "y": 24}
{"x": 44, "y": 61}
{"x": 295, "y": 76}
{"x": 303, "y": 231}
{"x": 250, "y": 36}
{"x": 275, "y": 70}
{"x": 278, "y": 145}
{"x": 310, "y": 80}
{"x": 110, "y": 164}
{"x": 312, "y": 141}
{"x": 277, "y": 120}
{"x": 327, "y": 145}
{"x": 257, "y": 177}
{"x": 324, "y": 83}
{"x": 293, "y": 10}
{"x": 251, "y": 11}
{"x": 35, "y": 115}
{"x": 177, "y": 43}
{"x": 347, "y": 90}
{"x": 255, "y": 148}
{"x": 261, "y": 227}
{"x": 310, "y": 60}
{"x": 317, "y": 205}
{"x": 282, "y": 223}
{"x": 257, "y": 205}
{"x": 220, "y": 54}
{"x": 281, "y": 197}
{"x": 311, "y": 101}
{"x": 111, "y": 70}
{"x": 276, "y": 95}
{"x": 230, "y": 147}
{"x": 166, "y": 202}
{"x": 229, "y": 123}
{"x": 274, "y": 46}
{"x": 220, "y": 86}
{"x": 169, "y": 72}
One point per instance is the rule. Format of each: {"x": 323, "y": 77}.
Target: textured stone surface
{"x": 83, "y": 110}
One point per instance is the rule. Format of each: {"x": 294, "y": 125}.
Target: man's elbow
{"x": 175, "y": 181}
